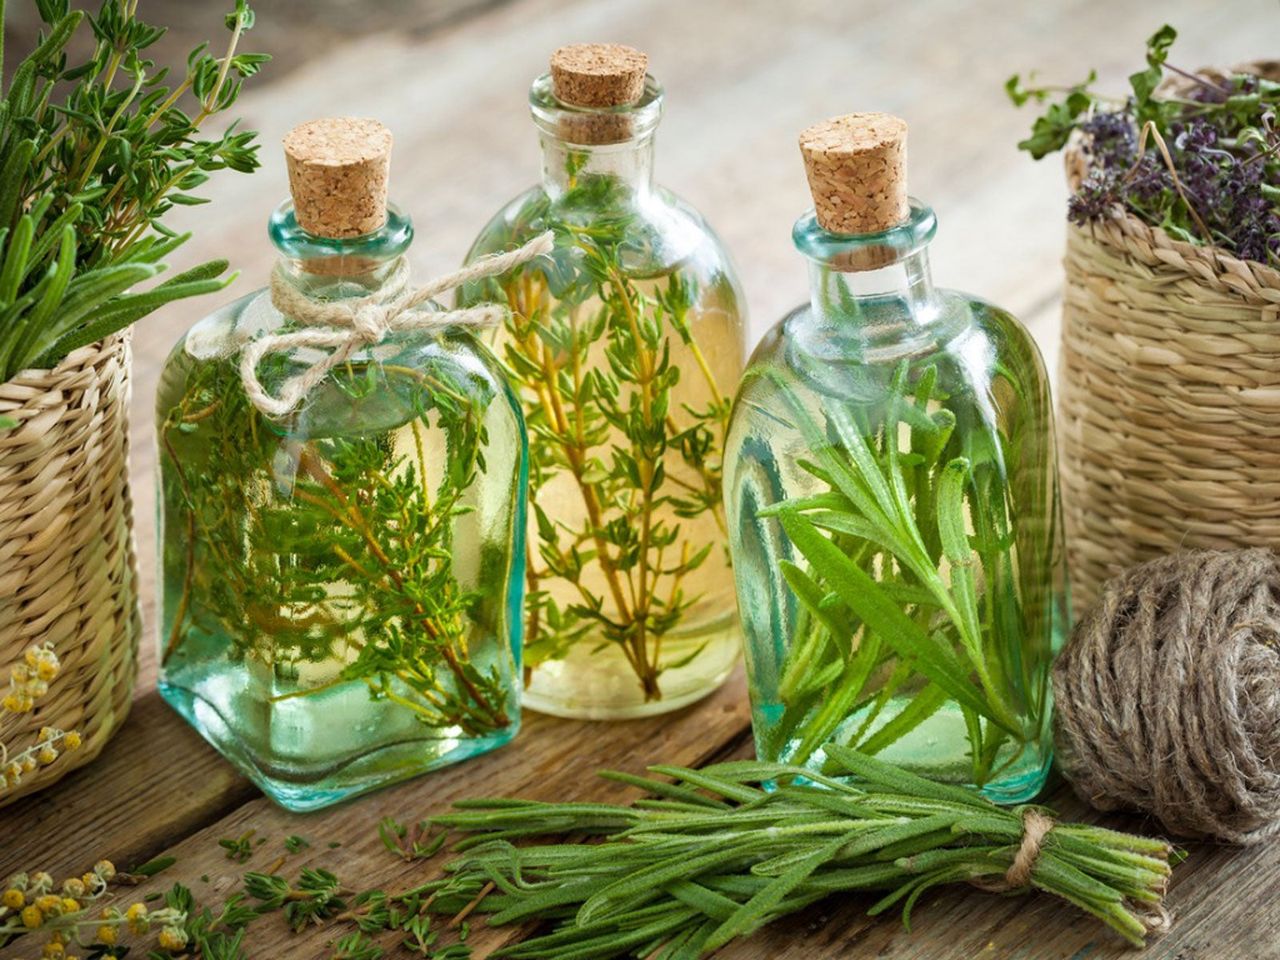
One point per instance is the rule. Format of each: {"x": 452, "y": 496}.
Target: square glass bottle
{"x": 892, "y": 493}
{"x": 341, "y": 580}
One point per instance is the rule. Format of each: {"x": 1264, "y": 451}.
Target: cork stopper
{"x": 857, "y": 169}
{"x": 597, "y": 77}
{"x": 598, "y": 74}
{"x": 338, "y": 169}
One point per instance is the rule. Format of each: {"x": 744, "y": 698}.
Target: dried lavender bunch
{"x": 1202, "y": 162}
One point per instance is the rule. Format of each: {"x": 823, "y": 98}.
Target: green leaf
{"x": 897, "y": 780}
{"x": 758, "y": 909}
{"x": 111, "y": 317}
{"x": 1144, "y": 82}
{"x": 955, "y": 547}
{"x": 152, "y": 867}
{"x": 27, "y": 333}
{"x": 922, "y": 706}
{"x": 17, "y": 251}
{"x": 862, "y": 595}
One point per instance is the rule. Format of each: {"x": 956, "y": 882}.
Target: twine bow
{"x": 344, "y": 327}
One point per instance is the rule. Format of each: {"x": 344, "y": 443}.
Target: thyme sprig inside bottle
{"x": 625, "y": 347}
{"x": 340, "y": 583}
{"x": 891, "y": 488}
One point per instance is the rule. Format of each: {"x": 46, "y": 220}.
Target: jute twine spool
{"x": 68, "y": 574}
{"x": 1168, "y": 695}
{"x": 1168, "y": 395}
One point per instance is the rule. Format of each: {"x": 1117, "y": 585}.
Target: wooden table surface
{"x": 742, "y": 80}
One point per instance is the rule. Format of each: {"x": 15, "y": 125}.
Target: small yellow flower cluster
{"x": 29, "y": 903}
{"x": 29, "y": 680}
{"x": 49, "y": 745}
{"x": 139, "y": 920}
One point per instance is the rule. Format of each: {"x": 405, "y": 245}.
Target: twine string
{"x": 1036, "y": 826}
{"x": 1168, "y": 692}
{"x": 344, "y": 327}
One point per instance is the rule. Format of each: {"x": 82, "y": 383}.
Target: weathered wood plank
{"x": 554, "y": 759}
{"x": 156, "y": 782}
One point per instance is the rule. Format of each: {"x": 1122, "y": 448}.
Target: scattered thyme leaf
{"x": 152, "y": 867}
{"x": 410, "y": 843}
{"x": 239, "y": 849}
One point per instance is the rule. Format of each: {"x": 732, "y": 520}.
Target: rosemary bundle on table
{"x": 726, "y": 849}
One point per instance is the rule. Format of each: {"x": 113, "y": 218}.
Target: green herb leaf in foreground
{"x": 97, "y": 151}
{"x": 734, "y": 846}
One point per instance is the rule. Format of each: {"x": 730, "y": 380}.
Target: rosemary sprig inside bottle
{"x": 902, "y": 611}
{"x": 715, "y": 854}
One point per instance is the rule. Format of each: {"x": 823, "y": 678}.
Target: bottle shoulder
{"x": 409, "y": 370}
{"x": 972, "y": 340}
{"x": 657, "y": 231}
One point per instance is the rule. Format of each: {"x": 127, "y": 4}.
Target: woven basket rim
{"x": 51, "y": 378}
{"x": 1220, "y": 264}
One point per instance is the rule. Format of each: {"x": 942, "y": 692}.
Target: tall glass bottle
{"x": 625, "y": 347}
{"x": 891, "y": 487}
{"x": 340, "y": 582}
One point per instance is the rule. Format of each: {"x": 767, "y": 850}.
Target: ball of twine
{"x": 1168, "y": 695}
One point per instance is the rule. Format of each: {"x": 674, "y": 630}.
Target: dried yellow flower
{"x": 172, "y": 938}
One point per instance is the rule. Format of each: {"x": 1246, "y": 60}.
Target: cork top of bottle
{"x": 857, "y": 169}
{"x": 598, "y": 74}
{"x": 338, "y": 171}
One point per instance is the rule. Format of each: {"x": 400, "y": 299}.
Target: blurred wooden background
{"x": 450, "y": 78}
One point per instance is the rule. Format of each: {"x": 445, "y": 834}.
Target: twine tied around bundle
{"x": 1168, "y": 695}
{"x": 344, "y": 327}
{"x": 1035, "y": 827}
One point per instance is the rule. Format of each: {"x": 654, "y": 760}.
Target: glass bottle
{"x": 625, "y": 347}
{"x": 340, "y": 583}
{"x": 892, "y": 496}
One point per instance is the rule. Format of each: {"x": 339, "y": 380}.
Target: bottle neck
{"x": 610, "y": 146}
{"x": 327, "y": 268}
{"x": 871, "y": 285}
{"x": 628, "y": 165}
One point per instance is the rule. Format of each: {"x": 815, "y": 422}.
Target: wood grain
{"x": 742, "y": 79}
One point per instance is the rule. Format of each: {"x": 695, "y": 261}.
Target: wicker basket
{"x": 68, "y": 573}
{"x": 1169, "y": 396}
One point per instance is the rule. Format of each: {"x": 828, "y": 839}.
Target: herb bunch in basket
{"x": 1196, "y": 154}
{"x": 95, "y": 153}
